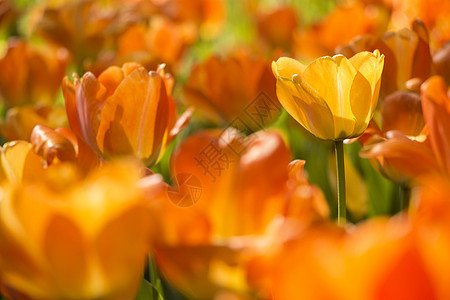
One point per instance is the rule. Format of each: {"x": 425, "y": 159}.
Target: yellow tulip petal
{"x": 286, "y": 67}
{"x": 315, "y": 115}
{"x": 370, "y": 65}
{"x": 366, "y": 87}
{"x": 19, "y": 162}
{"x": 361, "y": 103}
{"x": 116, "y": 257}
{"x": 332, "y": 79}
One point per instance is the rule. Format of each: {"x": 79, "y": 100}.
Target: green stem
{"x": 339, "y": 146}
{"x": 404, "y": 197}
{"x": 155, "y": 278}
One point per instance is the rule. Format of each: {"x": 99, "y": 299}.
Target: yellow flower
{"x": 333, "y": 97}
{"x": 69, "y": 237}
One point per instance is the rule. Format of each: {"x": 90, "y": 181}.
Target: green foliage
{"x": 147, "y": 291}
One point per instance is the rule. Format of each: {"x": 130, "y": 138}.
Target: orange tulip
{"x": 162, "y": 40}
{"x": 62, "y": 145}
{"x": 339, "y": 27}
{"x": 69, "y": 238}
{"x": 378, "y": 259}
{"x": 125, "y": 111}
{"x": 241, "y": 194}
{"x": 20, "y": 120}
{"x": 31, "y": 75}
{"x": 8, "y": 13}
{"x": 207, "y": 15}
{"x": 426, "y": 153}
{"x": 19, "y": 163}
{"x": 441, "y": 60}
{"x": 431, "y": 215}
{"x": 236, "y": 91}
{"x": 434, "y": 13}
{"x": 277, "y": 27}
{"x": 399, "y": 158}
{"x": 82, "y": 27}
{"x": 407, "y": 54}
{"x": 168, "y": 40}
{"x": 402, "y": 111}
{"x": 436, "y": 111}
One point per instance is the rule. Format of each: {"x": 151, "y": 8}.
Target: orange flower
{"x": 162, "y": 40}
{"x": 237, "y": 91}
{"x": 423, "y": 154}
{"x": 407, "y": 54}
{"x": 436, "y": 111}
{"x": 379, "y": 259}
{"x": 125, "y": 111}
{"x": 148, "y": 43}
{"x": 441, "y": 60}
{"x": 240, "y": 194}
{"x": 31, "y": 75}
{"x": 399, "y": 158}
{"x": 208, "y": 15}
{"x": 20, "y": 120}
{"x": 434, "y": 13}
{"x": 277, "y": 28}
{"x": 19, "y": 163}
{"x": 83, "y": 27}
{"x": 339, "y": 27}
{"x": 69, "y": 238}
{"x": 402, "y": 111}
{"x": 431, "y": 214}
{"x": 61, "y": 145}
{"x": 8, "y": 13}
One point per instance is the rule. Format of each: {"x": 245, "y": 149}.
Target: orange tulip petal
{"x": 436, "y": 110}
{"x": 137, "y": 115}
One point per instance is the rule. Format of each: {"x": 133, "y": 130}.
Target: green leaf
{"x": 148, "y": 292}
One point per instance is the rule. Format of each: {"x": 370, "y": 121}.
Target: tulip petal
{"x": 423, "y": 63}
{"x": 332, "y": 79}
{"x": 402, "y": 111}
{"x": 111, "y": 78}
{"x": 121, "y": 263}
{"x": 370, "y": 66}
{"x": 63, "y": 248}
{"x": 50, "y": 145}
{"x": 71, "y": 105}
{"x": 90, "y": 98}
{"x": 400, "y": 152}
{"x": 137, "y": 115}
{"x": 361, "y": 102}
{"x": 436, "y": 110}
{"x": 19, "y": 162}
{"x": 315, "y": 115}
{"x": 287, "y": 67}
{"x": 405, "y": 43}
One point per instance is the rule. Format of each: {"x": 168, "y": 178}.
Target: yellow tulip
{"x": 333, "y": 97}
{"x": 68, "y": 237}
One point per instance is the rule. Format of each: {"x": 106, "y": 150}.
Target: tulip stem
{"x": 404, "y": 197}
{"x": 155, "y": 279}
{"x": 341, "y": 212}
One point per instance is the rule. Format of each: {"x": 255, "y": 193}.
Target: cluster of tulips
{"x": 184, "y": 149}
